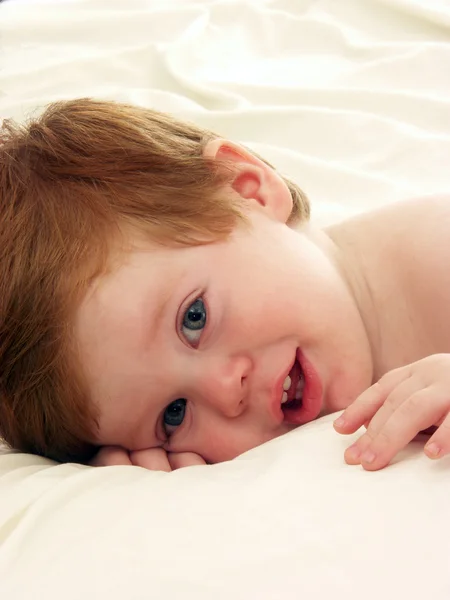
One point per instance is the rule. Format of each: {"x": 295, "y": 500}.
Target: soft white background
{"x": 351, "y": 98}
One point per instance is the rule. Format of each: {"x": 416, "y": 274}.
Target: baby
{"x": 165, "y": 298}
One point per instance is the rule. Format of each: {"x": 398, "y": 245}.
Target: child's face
{"x": 189, "y": 348}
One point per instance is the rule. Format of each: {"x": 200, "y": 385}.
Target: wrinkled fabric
{"x": 349, "y": 98}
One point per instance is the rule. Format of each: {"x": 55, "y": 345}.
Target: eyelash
{"x": 183, "y": 311}
{"x": 165, "y": 426}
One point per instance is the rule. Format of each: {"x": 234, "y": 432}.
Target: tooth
{"x": 284, "y": 398}
{"x": 299, "y": 390}
{"x": 287, "y": 383}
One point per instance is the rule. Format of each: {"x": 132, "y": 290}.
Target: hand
{"x": 154, "y": 459}
{"x": 400, "y": 405}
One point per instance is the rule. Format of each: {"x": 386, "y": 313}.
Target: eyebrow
{"x": 154, "y": 443}
{"x": 133, "y": 432}
{"x": 164, "y": 295}
{"x": 151, "y": 320}
{"x": 133, "y": 429}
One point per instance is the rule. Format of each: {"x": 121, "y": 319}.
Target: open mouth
{"x": 293, "y": 386}
{"x": 302, "y": 396}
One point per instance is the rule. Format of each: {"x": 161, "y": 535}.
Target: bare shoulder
{"x": 416, "y": 229}
{"x": 420, "y": 247}
{"x": 427, "y": 211}
{"x": 403, "y": 249}
{"x": 423, "y": 229}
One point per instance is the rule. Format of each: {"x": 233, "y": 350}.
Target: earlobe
{"x": 254, "y": 179}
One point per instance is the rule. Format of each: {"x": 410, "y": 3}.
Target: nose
{"x": 225, "y": 384}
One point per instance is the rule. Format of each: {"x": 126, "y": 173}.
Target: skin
{"x": 360, "y": 299}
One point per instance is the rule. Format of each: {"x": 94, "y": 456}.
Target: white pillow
{"x": 286, "y": 520}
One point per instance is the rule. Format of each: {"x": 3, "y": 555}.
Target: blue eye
{"x": 194, "y": 321}
{"x": 174, "y": 414}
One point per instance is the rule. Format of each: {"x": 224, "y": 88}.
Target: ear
{"x": 254, "y": 180}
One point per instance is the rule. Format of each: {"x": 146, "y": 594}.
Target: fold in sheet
{"x": 349, "y": 98}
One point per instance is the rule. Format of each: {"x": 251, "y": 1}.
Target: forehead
{"x": 144, "y": 274}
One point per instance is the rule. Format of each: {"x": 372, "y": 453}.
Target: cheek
{"x": 217, "y": 443}
{"x": 218, "y": 440}
{"x": 340, "y": 348}
{"x": 343, "y": 391}
{"x": 348, "y": 377}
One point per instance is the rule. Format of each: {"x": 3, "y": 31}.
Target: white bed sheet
{"x": 351, "y": 98}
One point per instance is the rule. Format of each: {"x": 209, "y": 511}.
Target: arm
{"x": 416, "y": 396}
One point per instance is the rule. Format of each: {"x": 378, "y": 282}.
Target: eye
{"x": 194, "y": 321}
{"x": 174, "y": 415}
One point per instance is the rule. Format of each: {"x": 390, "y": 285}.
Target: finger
{"x": 418, "y": 412}
{"x": 428, "y": 431}
{"x": 431, "y": 430}
{"x": 154, "y": 459}
{"x": 178, "y": 460}
{"x": 368, "y": 403}
{"x": 398, "y": 395}
{"x": 109, "y": 456}
{"x": 439, "y": 443}
{"x": 352, "y": 454}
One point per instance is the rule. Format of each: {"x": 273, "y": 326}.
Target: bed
{"x": 351, "y": 99}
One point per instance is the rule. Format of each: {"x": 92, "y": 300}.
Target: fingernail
{"x": 433, "y": 449}
{"x": 368, "y": 457}
{"x": 340, "y": 422}
{"x": 353, "y": 451}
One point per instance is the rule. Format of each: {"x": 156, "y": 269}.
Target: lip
{"x": 277, "y": 394}
{"x": 312, "y": 393}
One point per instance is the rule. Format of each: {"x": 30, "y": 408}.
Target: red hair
{"x": 70, "y": 182}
